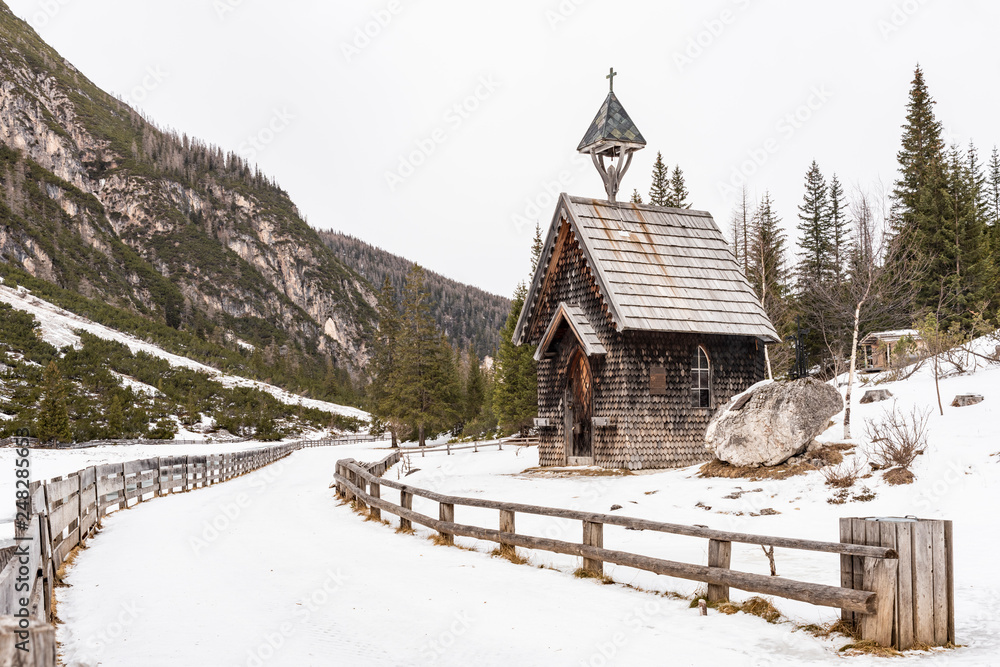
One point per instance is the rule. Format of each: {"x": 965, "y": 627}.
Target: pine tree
{"x": 814, "y": 242}
{"x": 839, "y": 231}
{"x": 116, "y": 417}
{"x": 769, "y": 275}
{"x": 922, "y": 212}
{"x": 383, "y": 402}
{"x": 536, "y": 248}
{"x": 678, "y": 190}
{"x": 994, "y": 201}
{"x": 52, "y": 422}
{"x": 659, "y": 191}
{"x": 424, "y": 377}
{"x": 515, "y": 390}
{"x": 636, "y": 197}
{"x": 475, "y": 387}
{"x": 973, "y": 269}
{"x": 993, "y": 188}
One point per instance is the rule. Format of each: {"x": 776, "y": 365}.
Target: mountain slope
{"x": 98, "y": 200}
{"x": 468, "y": 315}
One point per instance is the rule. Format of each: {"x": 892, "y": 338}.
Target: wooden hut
{"x": 643, "y": 321}
{"x": 882, "y": 350}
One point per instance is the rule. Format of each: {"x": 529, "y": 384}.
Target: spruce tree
{"x": 659, "y": 191}
{"x": 769, "y": 276}
{"x": 974, "y": 270}
{"x": 994, "y": 201}
{"x": 52, "y": 422}
{"x": 515, "y": 389}
{"x": 922, "y": 213}
{"x": 424, "y": 377}
{"x": 116, "y": 417}
{"x": 839, "y": 231}
{"x": 636, "y": 197}
{"x": 678, "y": 190}
{"x": 537, "y": 246}
{"x": 814, "y": 242}
{"x": 475, "y": 387}
{"x": 382, "y": 399}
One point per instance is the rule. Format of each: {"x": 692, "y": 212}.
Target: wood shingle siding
{"x": 637, "y": 290}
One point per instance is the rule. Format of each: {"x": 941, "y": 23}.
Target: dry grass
{"x": 758, "y": 606}
{"x": 898, "y": 476}
{"x": 405, "y": 531}
{"x": 581, "y": 573}
{"x": 512, "y": 556}
{"x": 440, "y": 540}
{"x": 832, "y": 454}
{"x": 844, "y": 475}
{"x": 717, "y": 468}
{"x": 868, "y": 647}
{"x": 839, "y": 627}
{"x": 576, "y": 472}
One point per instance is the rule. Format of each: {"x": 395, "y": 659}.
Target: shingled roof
{"x": 612, "y": 123}
{"x": 658, "y": 269}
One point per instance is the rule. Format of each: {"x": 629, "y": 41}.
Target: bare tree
{"x": 878, "y": 292}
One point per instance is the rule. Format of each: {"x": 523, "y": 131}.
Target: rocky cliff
{"x": 98, "y": 200}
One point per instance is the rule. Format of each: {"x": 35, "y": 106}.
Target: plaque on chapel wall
{"x": 658, "y": 381}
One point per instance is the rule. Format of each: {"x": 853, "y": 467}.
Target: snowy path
{"x": 290, "y": 577}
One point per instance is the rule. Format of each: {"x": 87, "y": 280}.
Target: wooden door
{"x": 581, "y": 389}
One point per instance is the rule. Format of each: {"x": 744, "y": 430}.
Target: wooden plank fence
{"x": 351, "y": 439}
{"x": 871, "y": 600}
{"x": 474, "y": 446}
{"x": 66, "y": 510}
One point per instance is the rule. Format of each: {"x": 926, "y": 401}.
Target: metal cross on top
{"x": 611, "y": 77}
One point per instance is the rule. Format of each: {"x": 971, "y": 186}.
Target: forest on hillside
{"x": 922, "y": 253}
{"x": 467, "y": 315}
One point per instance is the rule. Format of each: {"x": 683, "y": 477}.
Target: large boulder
{"x": 772, "y": 422}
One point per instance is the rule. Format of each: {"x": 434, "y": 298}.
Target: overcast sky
{"x": 436, "y": 128}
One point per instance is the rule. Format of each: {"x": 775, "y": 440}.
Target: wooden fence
{"x": 474, "y": 446}
{"x": 35, "y": 444}
{"x": 67, "y": 510}
{"x": 872, "y": 604}
{"x": 352, "y": 439}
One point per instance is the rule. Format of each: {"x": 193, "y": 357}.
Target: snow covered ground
{"x": 270, "y": 569}
{"x": 59, "y": 328}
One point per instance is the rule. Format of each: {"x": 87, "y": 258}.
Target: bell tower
{"x": 612, "y": 136}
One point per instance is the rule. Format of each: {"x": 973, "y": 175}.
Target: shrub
{"x": 897, "y": 438}
{"x": 844, "y": 476}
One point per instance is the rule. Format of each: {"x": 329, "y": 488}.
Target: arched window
{"x": 701, "y": 379}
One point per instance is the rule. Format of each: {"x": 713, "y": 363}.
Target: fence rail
{"x": 474, "y": 446}
{"x": 66, "y": 510}
{"x": 35, "y": 444}
{"x": 342, "y": 440}
{"x": 873, "y": 603}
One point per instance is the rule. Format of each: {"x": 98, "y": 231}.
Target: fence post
{"x": 374, "y": 511}
{"x": 593, "y": 536}
{"x": 41, "y": 640}
{"x": 719, "y": 555}
{"x": 446, "y": 512}
{"x": 406, "y": 502}
{"x": 507, "y": 526}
